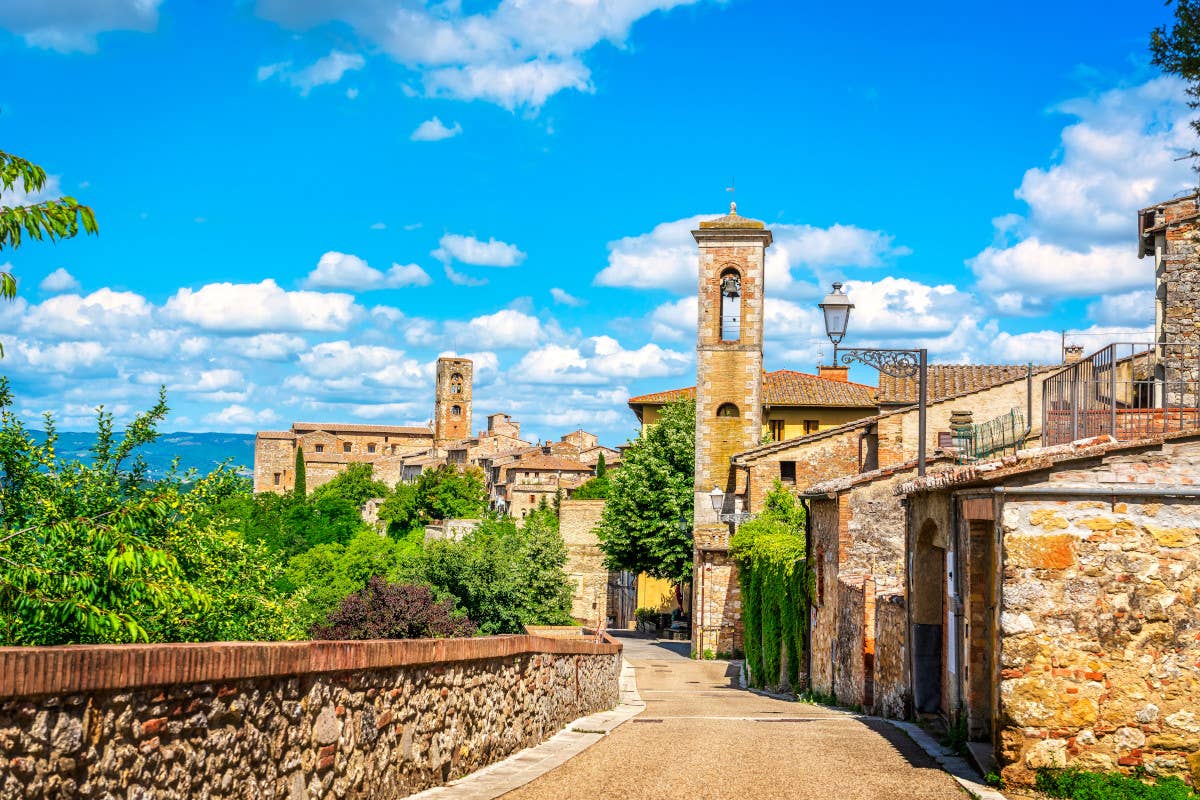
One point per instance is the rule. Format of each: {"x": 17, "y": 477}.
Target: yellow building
{"x": 794, "y": 403}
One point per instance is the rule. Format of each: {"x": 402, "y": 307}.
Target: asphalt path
{"x": 701, "y": 737}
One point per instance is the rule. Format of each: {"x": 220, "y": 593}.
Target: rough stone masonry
{"x": 285, "y": 720}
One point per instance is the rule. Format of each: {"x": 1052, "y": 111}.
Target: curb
{"x": 955, "y": 765}
{"x": 526, "y": 765}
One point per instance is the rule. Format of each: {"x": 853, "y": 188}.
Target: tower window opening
{"x": 456, "y": 383}
{"x": 731, "y": 306}
{"x": 728, "y": 410}
{"x": 456, "y": 411}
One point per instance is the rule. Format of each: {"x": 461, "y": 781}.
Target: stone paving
{"x": 701, "y": 737}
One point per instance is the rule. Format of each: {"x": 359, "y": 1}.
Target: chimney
{"x": 1072, "y": 353}
{"x": 834, "y": 373}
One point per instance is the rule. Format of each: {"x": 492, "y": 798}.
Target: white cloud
{"x": 564, "y": 299}
{"x": 384, "y": 365}
{"x": 598, "y": 360}
{"x": 433, "y": 130}
{"x": 379, "y": 226}
{"x": 516, "y": 55}
{"x": 676, "y": 320}
{"x": 1118, "y": 155}
{"x": 666, "y": 258}
{"x": 244, "y": 307}
{"x": 461, "y": 278}
{"x": 102, "y": 313}
{"x": 324, "y": 71}
{"x": 59, "y": 281}
{"x": 66, "y": 358}
{"x": 337, "y": 270}
{"x": 72, "y": 25}
{"x": 506, "y": 328}
{"x": 1134, "y": 309}
{"x": 469, "y": 250}
{"x": 268, "y": 346}
{"x": 236, "y": 418}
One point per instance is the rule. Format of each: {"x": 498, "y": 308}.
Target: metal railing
{"x": 1000, "y": 436}
{"x": 1128, "y": 390}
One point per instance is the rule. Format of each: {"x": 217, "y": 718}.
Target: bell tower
{"x": 729, "y": 399}
{"x": 452, "y": 400}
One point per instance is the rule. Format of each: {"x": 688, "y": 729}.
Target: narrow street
{"x": 700, "y": 737}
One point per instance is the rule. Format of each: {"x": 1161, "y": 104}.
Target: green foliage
{"x": 442, "y": 493}
{"x": 1074, "y": 784}
{"x": 301, "y": 487}
{"x": 1177, "y": 52}
{"x": 994, "y": 779}
{"x": 96, "y": 552}
{"x": 769, "y": 551}
{"x": 595, "y": 489}
{"x": 956, "y": 736}
{"x": 601, "y": 465}
{"x": 48, "y": 219}
{"x": 502, "y": 577}
{"x": 648, "y": 496}
{"x": 333, "y": 570}
{"x": 356, "y": 485}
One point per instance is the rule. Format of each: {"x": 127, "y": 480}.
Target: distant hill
{"x": 203, "y": 451}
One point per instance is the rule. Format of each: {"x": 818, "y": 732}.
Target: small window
{"x": 777, "y": 430}
{"x": 728, "y": 410}
{"x": 812, "y": 425}
{"x": 456, "y": 411}
{"x": 787, "y": 472}
{"x": 346, "y": 447}
{"x": 320, "y": 448}
{"x": 532, "y": 499}
{"x": 456, "y": 383}
{"x": 277, "y": 476}
{"x": 371, "y": 447}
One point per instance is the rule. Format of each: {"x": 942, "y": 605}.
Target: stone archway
{"x": 927, "y": 603}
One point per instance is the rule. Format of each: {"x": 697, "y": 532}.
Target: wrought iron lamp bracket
{"x": 897, "y": 363}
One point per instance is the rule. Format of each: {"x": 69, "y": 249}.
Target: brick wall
{"x": 287, "y": 720}
{"x": 577, "y": 522}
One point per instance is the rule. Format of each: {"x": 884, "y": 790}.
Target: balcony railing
{"x": 1128, "y": 390}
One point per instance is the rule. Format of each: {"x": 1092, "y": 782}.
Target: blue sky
{"x": 303, "y": 202}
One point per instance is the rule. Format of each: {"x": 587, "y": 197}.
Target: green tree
{"x": 1176, "y": 50}
{"x": 47, "y": 219}
{"x": 653, "y": 490}
{"x": 441, "y": 493}
{"x": 98, "y": 552}
{"x": 329, "y": 572}
{"x": 301, "y": 487}
{"x": 601, "y": 466}
{"x": 356, "y": 485}
{"x": 596, "y": 488}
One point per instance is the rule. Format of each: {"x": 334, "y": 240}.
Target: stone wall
{"x": 1100, "y": 653}
{"x": 820, "y": 458}
{"x": 891, "y": 686}
{"x": 855, "y": 603}
{"x": 286, "y": 720}
{"x": 328, "y": 454}
{"x": 827, "y": 531}
{"x": 577, "y": 522}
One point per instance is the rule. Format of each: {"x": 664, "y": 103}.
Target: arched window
{"x": 456, "y": 383}
{"x": 731, "y": 306}
{"x": 728, "y": 410}
{"x": 456, "y": 411}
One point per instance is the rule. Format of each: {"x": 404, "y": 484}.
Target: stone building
{"x": 452, "y": 400}
{"x": 1053, "y": 604}
{"x": 577, "y": 522}
{"x": 533, "y": 478}
{"x": 329, "y": 448}
{"x": 729, "y": 410}
{"x": 794, "y": 403}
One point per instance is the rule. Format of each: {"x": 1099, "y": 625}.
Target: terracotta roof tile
{"x": 543, "y": 462}
{"x": 946, "y": 380}
{"x": 351, "y": 427}
{"x": 276, "y": 435}
{"x": 786, "y": 387}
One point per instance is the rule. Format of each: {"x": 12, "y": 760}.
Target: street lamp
{"x": 897, "y": 363}
{"x": 718, "y": 504}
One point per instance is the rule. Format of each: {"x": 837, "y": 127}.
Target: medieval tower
{"x": 729, "y": 387}
{"x": 452, "y": 400}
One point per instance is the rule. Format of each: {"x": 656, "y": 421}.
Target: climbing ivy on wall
{"x": 769, "y": 551}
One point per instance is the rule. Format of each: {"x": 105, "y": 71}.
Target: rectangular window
{"x": 787, "y": 472}
{"x": 371, "y": 447}
{"x": 320, "y": 448}
{"x": 276, "y": 478}
{"x": 777, "y": 429}
{"x": 811, "y": 426}
{"x": 346, "y": 447}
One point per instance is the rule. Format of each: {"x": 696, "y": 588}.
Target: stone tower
{"x": 729, "y": 389}
{"x": 452, "y": 401}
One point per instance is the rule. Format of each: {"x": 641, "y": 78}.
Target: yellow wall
{"x": 657, "y": 593}
{"x": 793, "y": 417}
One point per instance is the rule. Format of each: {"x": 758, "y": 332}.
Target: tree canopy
{"x": 1176, "y": 50}
{"x": 649, "y": 496}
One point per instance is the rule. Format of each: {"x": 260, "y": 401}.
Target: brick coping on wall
{"x": 30, "y": 671}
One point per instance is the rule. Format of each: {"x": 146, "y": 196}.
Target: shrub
{"x": 394, "y": 611}
{"x": 1074, "y": 784}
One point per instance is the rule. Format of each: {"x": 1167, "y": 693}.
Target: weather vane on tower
{"x": 732, "y": 189}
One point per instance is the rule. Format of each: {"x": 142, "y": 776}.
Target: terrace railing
{"x": 1128, "y": 390}
{"x": 1002, "y": 435}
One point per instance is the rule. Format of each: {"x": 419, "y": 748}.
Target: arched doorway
{"x": 928, "y": 611}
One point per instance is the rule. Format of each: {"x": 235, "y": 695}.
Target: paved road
{"x": 701, "y": 738}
